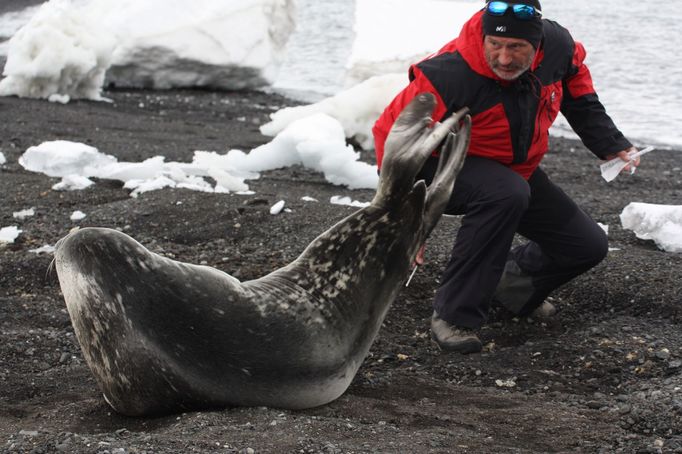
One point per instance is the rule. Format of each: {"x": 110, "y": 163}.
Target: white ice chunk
{"x": 61, "y": 158}
{"x": 277, "y": 208}
{"x": 23, "y": 214}
{"x": 9, "y": 234}
{"x": 73, "y": 183}
{"x": 317, "y": 142}
{"x": 46, "y": 249}
{"x": 77, "y": 215}
{"x": 226, "y": 181}
{"x": 345, "y": 200}
{"x": 660, "y": 223}
{"x": 61, "y": 99}
{"x": 140, "y": 186}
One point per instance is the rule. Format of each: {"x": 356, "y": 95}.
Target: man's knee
{"x": 596, "y": 248}
{"x": 591, "y": 251}
{"x": 513, "y": 195}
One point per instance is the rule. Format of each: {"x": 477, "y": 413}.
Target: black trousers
{"x": 497, "y": 203}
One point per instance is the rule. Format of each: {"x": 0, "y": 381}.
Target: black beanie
{"x": 509, "y": 26}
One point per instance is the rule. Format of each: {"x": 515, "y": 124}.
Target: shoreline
{"x": 284, "y": 99}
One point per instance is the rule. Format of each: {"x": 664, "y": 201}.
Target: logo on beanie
{"x": 501, "y": 29}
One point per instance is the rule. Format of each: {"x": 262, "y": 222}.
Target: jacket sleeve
{"x": 418, "y": 84}
{"x": 585, "y": 113}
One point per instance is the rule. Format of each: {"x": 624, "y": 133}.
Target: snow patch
{"x": 77, "y": 215}
{"x": 9, "y": 234}
{"x": 660, "y": 223}
{"x": 23, "y": 214}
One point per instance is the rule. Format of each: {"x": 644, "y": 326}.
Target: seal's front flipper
{"x": 451, "y": 159}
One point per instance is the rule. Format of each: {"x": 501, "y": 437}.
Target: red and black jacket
{"x": 510, "y": 120}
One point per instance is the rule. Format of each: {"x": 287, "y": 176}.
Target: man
{"x": 515, "y": 71}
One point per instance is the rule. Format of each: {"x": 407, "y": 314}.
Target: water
{"x": 635, "y": 60}
{"x": 319, "y": 49}
{"x": 633, "y": 53}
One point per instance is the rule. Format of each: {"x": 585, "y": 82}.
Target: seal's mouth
{"x": 451, "y": 160}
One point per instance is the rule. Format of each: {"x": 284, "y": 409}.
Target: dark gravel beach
{"x": 605, "y": 375}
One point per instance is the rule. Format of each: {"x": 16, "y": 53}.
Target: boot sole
{"x": 464, "y": 347}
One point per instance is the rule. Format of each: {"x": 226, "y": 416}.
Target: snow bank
{"x": 230, "y": 44}
{"x": 356, "y": 108}
{"x": 68, "y": 47}
{"x": 11, "y": 22}
{"x": 60, "y": 51}
{"x": 660, "y": 223}
{"x": 77, "y": 162}
{"x": 316, "y": 142}
{"x": 392, "y": 34}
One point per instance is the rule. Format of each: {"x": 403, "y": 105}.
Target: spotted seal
{"x": 163, "y": 336}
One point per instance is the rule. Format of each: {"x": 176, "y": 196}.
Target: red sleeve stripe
{"x": 580, "y": 84}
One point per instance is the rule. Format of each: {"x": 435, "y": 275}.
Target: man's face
{"x": 508, "y": 57}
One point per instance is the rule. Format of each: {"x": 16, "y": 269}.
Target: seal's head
{"x": 412, "y": 139}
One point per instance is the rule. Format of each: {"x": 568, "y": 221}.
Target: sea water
{"x": 633, "y": 52}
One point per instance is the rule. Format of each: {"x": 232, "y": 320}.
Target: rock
{"x": 594, "y": 404}
{"x": 663, "y": 354}
{"x": 624, "y": 409}
{"x": 510, "y": 383}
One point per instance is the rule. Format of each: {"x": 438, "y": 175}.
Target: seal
{"x": 163, "y": 336}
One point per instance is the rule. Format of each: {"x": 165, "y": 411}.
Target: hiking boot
{"x": 453, "y": 338}
{"x": 544, "y": 311}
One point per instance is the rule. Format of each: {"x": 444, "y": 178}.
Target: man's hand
{"x": 419, "y": 259}
{"x": 625, "y": 156}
